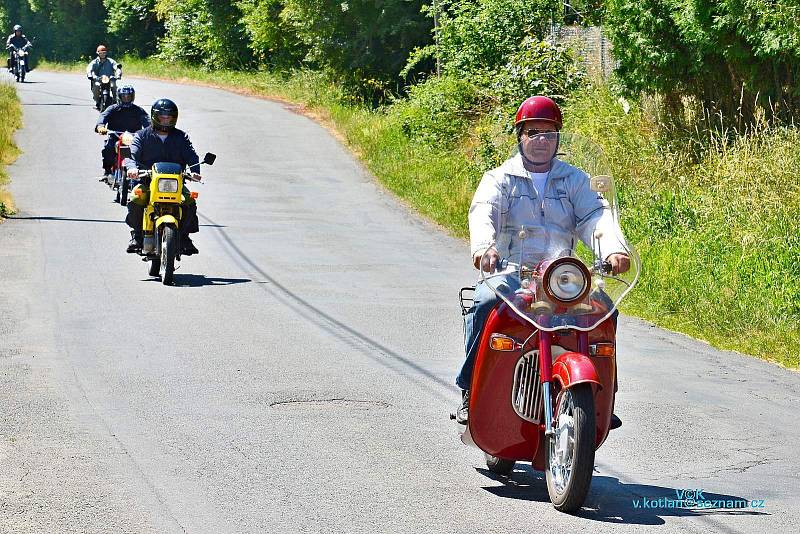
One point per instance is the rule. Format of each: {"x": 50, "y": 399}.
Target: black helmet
{"x": 126, "y": 95}
{"x": 163, "y": 115}
{"x": 17, "y": 28}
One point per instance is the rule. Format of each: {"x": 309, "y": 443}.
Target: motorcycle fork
{"x": 546, "y": 372}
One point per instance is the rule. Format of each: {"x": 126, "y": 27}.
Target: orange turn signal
{"x": 194, "y": 195}
{"x": 138, "y": 192}
{"x": 502, "y": 343}
{"x": 603, "y": 349}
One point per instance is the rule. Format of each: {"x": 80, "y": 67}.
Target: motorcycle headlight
{"x": 168, "y": 185}
{"x": 566, "y": 280}
{"x": 21, "y": 53}
{"x": 127, "y": 138}
{"x": 105, "y": 79}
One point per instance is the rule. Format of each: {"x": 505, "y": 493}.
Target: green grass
{"x": 718, "y": 229}
{"x": 11, "y": 112}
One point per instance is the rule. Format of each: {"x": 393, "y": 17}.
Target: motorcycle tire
{"x": 568, "y": 496}
{"x": 499, "y": 466}
{"x": 123, "y": 193}
{"x": 118, "y": 198}
{"x": 169, "y": 250}
{"x": 22, "y": 76}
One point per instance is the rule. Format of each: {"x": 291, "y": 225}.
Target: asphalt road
{"x": 299, "y": 376}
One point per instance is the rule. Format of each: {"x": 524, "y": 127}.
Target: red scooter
{"x": 544, "y": 378}
{"x": 119, "y": 180}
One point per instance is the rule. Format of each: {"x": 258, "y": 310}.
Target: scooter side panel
{"x": 494, "y": 425}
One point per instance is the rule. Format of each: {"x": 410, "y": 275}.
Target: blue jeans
{"x": 484, "y": 300}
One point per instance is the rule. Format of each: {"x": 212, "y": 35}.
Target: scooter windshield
{"x": 550, "y": 261}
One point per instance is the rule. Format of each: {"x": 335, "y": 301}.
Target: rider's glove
{"x": 102, "y": 130}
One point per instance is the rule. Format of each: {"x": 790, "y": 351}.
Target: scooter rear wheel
{"x": 499, "y": 466}
{"x": 570, "y": 449}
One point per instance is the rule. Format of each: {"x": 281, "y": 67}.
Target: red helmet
{"x": 539, "y": 108}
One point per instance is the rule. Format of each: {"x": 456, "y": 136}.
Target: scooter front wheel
{"x": 570, "y": 448}
{"x": 499, "y": 466}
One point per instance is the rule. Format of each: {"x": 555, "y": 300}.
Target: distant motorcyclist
{"x": 162, "y": 142}
{"x": 16, "y": 40}
{"x": 122, "y": 117}
{"x": 102, "y": 65}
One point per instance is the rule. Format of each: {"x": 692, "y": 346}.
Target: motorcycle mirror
{"x": 119, "y": 65}
{"x": 209, "y": 158}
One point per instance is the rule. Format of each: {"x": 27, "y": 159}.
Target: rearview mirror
{"x": 209, "y": 158}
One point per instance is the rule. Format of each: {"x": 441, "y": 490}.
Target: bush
{"x": 439, "y": 111}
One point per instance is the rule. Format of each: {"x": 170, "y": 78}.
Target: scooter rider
{"x": 509, "y": 192}
{"x": 16, "y": 40}
{"x": 162, "y": 142}
{"x": 122, "y": 117}
{"x": 102, "y": 65}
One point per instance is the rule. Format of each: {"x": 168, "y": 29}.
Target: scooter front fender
{"x": 572, "y": 368}
{"x": 166, "y": 219}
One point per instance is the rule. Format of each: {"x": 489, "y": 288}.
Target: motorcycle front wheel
{"x": 169, "y": 249}
{"x": 22, "y": 75}
{"x": 123, "y": 193}
{"x": 570, "y": 449}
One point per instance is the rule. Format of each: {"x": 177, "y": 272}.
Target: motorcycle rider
{"x": 16, "y": 40}
{"x": 162, "y": 142}
{"x": 102, "y": 65}
{"x": 510, "y": 192}
{"x": 122, "y": 117}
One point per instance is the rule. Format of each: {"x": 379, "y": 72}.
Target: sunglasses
{"x": 533, "y": 132}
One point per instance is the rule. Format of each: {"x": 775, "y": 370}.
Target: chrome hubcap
{"x": 562, "y": 443}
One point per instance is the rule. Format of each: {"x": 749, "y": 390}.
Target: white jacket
{"x": 506, "y": 199}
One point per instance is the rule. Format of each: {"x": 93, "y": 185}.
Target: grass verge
{"x": 11, "y": 112}
{"x": 719, "y": 234}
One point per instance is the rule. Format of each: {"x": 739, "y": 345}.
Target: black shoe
{"x": 462, "y": 413}
{"x": 616, "y": 422}
{"x": 188, "y": 247}
{"x": 135, "y": 244}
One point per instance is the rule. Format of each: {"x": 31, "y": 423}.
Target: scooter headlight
{"x": 168, "y": 185}
{"x": 566, "y": 280}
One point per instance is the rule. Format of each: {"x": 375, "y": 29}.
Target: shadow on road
{"x": 67, "y": 219}
{"x": 612, "y": 501}
{"x": 199, "y": 280}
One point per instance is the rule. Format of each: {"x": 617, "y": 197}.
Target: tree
{"x": 209, "y": 32}
{"x": 272, "y": 38}
{"x": 734, "y": 56}
{"x": 364, "y": 42}
{"x": 133, "y": 26}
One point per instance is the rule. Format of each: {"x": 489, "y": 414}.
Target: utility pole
{"x": 436, "y": 38}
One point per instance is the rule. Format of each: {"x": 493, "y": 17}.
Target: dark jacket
{"x": 124, "y": 119}
{"x": 19, "y": 42}
{"x": 147, "y": 148}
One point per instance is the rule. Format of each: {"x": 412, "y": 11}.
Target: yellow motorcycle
{"x": 163, "y": 214}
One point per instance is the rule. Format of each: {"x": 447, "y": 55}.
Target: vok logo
{"x": 690, "y": 495}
